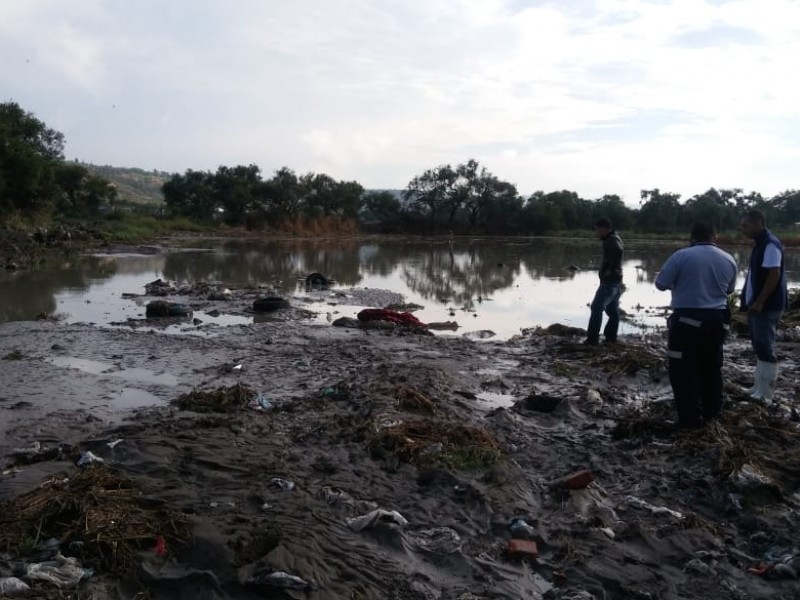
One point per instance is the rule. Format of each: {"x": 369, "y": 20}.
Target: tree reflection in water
{"x": 26, "y": 295}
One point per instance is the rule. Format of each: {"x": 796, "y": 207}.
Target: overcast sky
{"x": 596, "y": 96}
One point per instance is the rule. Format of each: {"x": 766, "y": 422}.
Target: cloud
{"x": 600, "y": 96}
{"x": 718, "y": 35}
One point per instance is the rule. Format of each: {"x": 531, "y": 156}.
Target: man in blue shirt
{"x": 700, "y": 278}
{"x": 764, "y": 297}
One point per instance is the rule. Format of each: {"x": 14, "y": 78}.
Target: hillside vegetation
{"x": 134, "y": 186}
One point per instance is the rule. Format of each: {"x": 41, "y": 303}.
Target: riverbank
{"x": 320, "y": 425}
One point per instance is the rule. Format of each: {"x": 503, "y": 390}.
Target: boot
{"x": 768, "y": 378}
{"x": 755, "y": 391}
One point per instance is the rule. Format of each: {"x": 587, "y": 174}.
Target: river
{"x": 497, "y": 284}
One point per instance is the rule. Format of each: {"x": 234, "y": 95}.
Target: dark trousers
{"x": 695, "y": 363}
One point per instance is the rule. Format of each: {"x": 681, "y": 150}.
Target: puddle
{"x": 496, "y": 400}
{"x": 96, "y": 367}
{"x": 131, "y": 398}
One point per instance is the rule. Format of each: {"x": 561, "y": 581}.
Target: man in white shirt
{"x": 764, "y": 297}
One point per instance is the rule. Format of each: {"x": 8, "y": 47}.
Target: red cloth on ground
{"x": 384, "y": 314}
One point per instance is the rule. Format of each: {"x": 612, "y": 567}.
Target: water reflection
{"x": 26, "y": 295}
{"x": 504, "y": 284}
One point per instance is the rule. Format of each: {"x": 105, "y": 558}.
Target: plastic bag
{"x": 61, "y": 572}
{"x": 439, "y": 540}
{"x": 279, "y": 579}
{"x": 376, "y": 516}
{"x": 11, "y": 586}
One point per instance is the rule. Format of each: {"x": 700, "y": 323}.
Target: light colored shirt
{"x": 700, "y": 276}
{"x": 772, "y": 260}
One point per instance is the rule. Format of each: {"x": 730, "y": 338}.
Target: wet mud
{"x": 258, "y": 450}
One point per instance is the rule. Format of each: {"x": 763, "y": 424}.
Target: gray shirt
{"x": 700, "y": 276}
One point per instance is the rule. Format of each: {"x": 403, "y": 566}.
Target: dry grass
{"x": 319, "y": 226}
{"x": 98, "y": 508}
{"x": 411, "y": 399}
{"x": 629, "y": 361}
{"x": 461, "y": 446}
{"x": 220, "y": 400}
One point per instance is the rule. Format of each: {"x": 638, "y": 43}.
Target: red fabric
{"x": 161, "y": 546}
{"x": 384, "y": 314}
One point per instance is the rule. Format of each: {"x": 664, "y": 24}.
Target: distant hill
{"x": 135, "y": 186}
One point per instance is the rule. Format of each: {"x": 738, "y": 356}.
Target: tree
{"x": 433, "y": 190}
{"x": 29, "y": 153}
{"x": 236, "y": 190}
{"x": 613, "y": 208}
{"x": 191, "y": 195}
{"x": 82, "y": 194}
{"x": 284, "y": 194}
{"x": 659, "y": 211}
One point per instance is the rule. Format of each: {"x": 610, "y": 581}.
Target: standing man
{"x": 606, "y": 299}
{"x": 700, "y": 278}
{"x": 764, "y": 297}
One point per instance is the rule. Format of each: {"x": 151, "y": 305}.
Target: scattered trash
{"x": 261, "y": 402}
{"x": 444, "y": 326}
{"x": 161, "y": 546}
{"x": 159, "y": 288}
{"x": 348, "y": 322}
{"x": 114, "y": 444}
{"x": 279, "y": 579}
{"x": 633, "y": 500}
{"x": 220, "y": 400}
{"x": 483, "y": 334}
{"x": 609, "y": 532}
{"x": 88, "y": 458}
{"x": 539, "y": 403}
{"x": 576, "y": 481}
{"x": 61, "y": 572}
{"x": 522, "y": 549}
{"x": 270, "y": 304}
{"x": 318, "y": 281}
{"x": 698, "y": 566}
{"x": 161, "y": 308}
{"x": 520, "y": 529}
{"x": 11, "y": 586}
{"x": 439, "y": 540}
{"x": 282, "y": 483}
{"x": 371, "y": 519}
{"x": 392, "y": 316}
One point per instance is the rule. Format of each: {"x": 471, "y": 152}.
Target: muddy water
{"x": 501, "y": 285}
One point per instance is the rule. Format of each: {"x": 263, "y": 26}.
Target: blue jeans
{"x": 763, "y": 328}
{"x": 606, "y": 299}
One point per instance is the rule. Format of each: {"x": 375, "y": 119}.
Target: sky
{"x": 595, "y": 96}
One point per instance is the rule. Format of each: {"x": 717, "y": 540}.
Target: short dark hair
{"x": 603, "y": 222}
{"x": 702, "y": 232}
{"x": 756, "y": 217}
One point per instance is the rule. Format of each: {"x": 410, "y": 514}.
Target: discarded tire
{"x": 317, "y": 281}
{"x": 270, "y": 304}
{"x": 160, "y": 308}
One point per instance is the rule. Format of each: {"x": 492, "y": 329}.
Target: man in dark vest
{"x": 764, "y": 297}
{"x": 700, "y": 278}
{"x": 606, "y": 299}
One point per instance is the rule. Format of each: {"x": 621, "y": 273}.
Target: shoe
{"x": 612, "y": 342}
{"x": 591, "y": 342}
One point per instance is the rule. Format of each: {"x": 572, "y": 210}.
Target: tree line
{"x": 37, "y": 183}
{"x": 35, "y": 180}
{"x": 466, "y": 198}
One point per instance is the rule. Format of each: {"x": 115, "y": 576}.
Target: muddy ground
{"x": 457, "y": 436}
